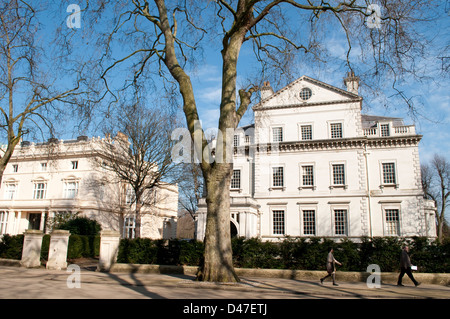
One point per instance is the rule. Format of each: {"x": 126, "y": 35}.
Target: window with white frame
{"x": 389, "y": 173}
{"x": 307, "y": 175}
{"x": 74, "y": 164}
{"x": 338, "y": 174}
{"x": 306, "y": 132}
{"x": 278, "y": 222}
{"x": 236, "y": 179}
{"x": 392, "y": 222}
{"x": 385, "y": 130}
{"x": 130, "y": 196}
{"x": 11, "y": 189}
{"x": 340, "y": 222}
{"x": 305, "y": 94}
{"x": 236, "y": 140}
{"x": 129, "y": 227}
{"x": 15, "y": 168}
{"x": 43, "y": 167}
{"x": 278, "y": 176}
{"x": 309, "y": 222}
{"x": 336, "y": 130}
{"x": 40, "y": 190}
{"x": 277, "y": 134}
{"x": 3, "y": 222}
{"x": 70, "y": 189}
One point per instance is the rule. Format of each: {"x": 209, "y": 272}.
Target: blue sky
{"x": 433, "y": 122}
{"x": 431, "y": 115}
{"x": 432, "y": 99}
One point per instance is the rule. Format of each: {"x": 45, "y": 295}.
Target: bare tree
{"x": 171, "y": 35}
{"x": 190, "y": 186}
{"x": 140, "y": 154}
{"x": 28, "y": 93}
{"x": 436, "y": 186}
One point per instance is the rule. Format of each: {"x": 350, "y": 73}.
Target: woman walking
{"x": 331, "y": 268}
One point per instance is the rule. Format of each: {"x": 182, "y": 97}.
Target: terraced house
{"x": 313, "y": 165}
{"x": 44, "y": 180}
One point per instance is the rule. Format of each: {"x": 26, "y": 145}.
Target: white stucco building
{"x": 43, "y": 180}
{"x": 313, "y": 165}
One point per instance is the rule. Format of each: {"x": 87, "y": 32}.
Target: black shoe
{"x": 401, "y": 285}
{"x": 321, "y": 281}
{"x": 335, "y": 284}
{"x": 417, "y": 284}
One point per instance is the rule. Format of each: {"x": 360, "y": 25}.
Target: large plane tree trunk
{"x": 218, "y": 257}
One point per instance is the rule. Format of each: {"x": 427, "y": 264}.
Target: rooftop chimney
{"x": 266, "y": 90}
{"x": 352, "y": 82}
{"x": 122, "y": 137}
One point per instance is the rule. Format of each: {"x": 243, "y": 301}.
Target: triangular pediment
{"x": 320, "y": 93}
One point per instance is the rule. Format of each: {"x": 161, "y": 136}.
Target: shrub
{"x": 383, "y": 251}
{"x": 253, "y": 253}
{"x": 81, "y": 226}
{"x": 347, "y": 252}
{"x": 191, "y": 252}
{"x": 45, "y": 247}
{"x": 83, "y": 246}
{"x": 138, "y": 251}
{"x": 11, "y": 246}
{"x": 291, "y": 253}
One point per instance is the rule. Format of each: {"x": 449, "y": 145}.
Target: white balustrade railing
{"x": 396, "y": 131}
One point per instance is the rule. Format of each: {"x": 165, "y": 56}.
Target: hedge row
{"x": 300, "y": 253}
{"x": 79, "y": 246}
{"x": 310, "y": 254}
{"x": 162, "y": 252}
{"x": 306, "y": 254}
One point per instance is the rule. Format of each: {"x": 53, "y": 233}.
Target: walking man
{"x": 331, "y": 268}
{"x": 405, "y": 267}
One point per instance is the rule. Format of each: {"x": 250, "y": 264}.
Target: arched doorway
{"x": 233, "y": 230}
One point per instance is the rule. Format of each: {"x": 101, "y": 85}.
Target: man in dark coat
{"x": 331, "y": 268}
{"x": 405, "y": 267}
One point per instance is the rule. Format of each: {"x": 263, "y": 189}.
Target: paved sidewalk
{"x": 22, "y": 283}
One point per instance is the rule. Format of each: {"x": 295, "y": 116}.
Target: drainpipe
{"x": 368, "y": 189}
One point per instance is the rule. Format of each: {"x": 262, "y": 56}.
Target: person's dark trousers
{"x": 407, "y": 271}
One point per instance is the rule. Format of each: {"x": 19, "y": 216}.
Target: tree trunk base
{"x": 217, "y": 274}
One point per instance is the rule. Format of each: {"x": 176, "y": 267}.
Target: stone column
{"x": 109, "y": 247}
{"x": 31, "y": 252}
{"x": 57, "y": 253}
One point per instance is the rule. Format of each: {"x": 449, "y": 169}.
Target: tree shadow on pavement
{"x": 137, "y": 286}
{"x": 308, "y": 289}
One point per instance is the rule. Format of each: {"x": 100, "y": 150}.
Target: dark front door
{"x": 233, "y": 230}
{"x": 35, "y": 221}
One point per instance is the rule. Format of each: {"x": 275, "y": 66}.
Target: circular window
{"x": 305, "y": 94}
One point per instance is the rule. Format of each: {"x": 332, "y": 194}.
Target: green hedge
{"x": 11, "y": 247}
{"x": 81, "y": 226}
{"x": 299, "y": 253}
{"x": 164, "y": 252}
{"x": 79, "y": 246}
{"x": 83, "y": 246}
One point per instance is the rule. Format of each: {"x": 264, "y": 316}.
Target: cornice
{"x": 345, "y": 143}
{"x": 304, "y": 104}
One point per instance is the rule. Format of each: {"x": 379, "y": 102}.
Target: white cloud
{"x": 206, "y": 73}
{"x": 210, "y": 95}
{"x": 209, "y": 117}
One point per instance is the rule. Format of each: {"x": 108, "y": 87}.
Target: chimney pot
{"x": 266, "y": 90}
{"x": 352, "y": 82}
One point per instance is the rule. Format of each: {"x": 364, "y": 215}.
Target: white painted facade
{"x": 313, "y": 165}
{"x": 45, "y": 179}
